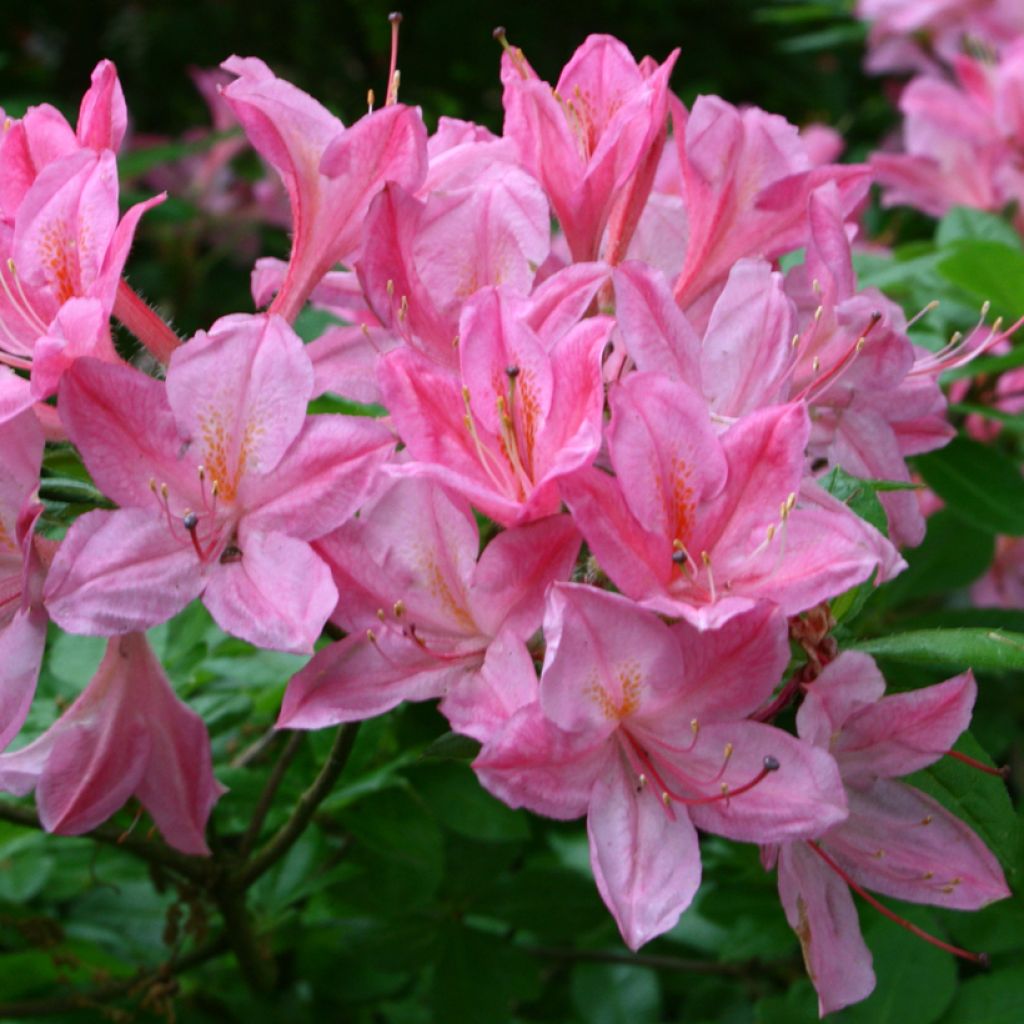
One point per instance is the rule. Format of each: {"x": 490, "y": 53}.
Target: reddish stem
{"x": 144, "y": 322}
{"x": 1002, "y": 773}
{"x": 977, "y": 958}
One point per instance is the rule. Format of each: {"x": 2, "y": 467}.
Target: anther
{"x": 381, "y": 615}
{"x": 770, "y": 764}
{"x": 190, "y": 521}
{"x": 512, "y": 371}
{"x": 679, "y": 557}
{"x": 399, "y": 609}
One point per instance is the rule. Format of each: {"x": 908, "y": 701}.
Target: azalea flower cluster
{"x": 605, "y": 459}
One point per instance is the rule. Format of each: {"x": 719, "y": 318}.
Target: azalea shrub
{"x": 584, "y": 582}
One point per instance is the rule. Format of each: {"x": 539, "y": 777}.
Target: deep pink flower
{"x": 643, "y": 727}
{"x": 331, "y": 172}
{"x": 897, "y": 841}
{"x": 223, "y": 482}
{"x": 127, "y": 734}
{"x": 421, "y": 609}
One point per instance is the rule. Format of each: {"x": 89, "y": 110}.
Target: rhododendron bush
{"x": 585, "y": 578}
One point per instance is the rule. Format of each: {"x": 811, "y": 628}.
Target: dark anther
{"x": 395, "y": 17}
{"x": 771, "y": 764}
{"x": 512, "y": 372}
{"x": 498, "y": 32}
{"x": 190, "y": 521}
{"x": 679, "y": 557}
{"x": 231, "y": 554}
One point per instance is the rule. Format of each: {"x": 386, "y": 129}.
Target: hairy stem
{"x": 144, "y": 322}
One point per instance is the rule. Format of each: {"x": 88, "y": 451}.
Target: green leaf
{"x": 994, "y": 999}
{"x": 965, "y": 224}
{"x": 981, "y": 484}
{"x": 616, "y": 994}
{"x": 859, "y": 495}
{"x": 478, "y": 978}
{"x": 312, "y": 322}
{"x": 953, "y": 554}
{"x": 989, "y": 270}
{"x": 984, "y": 650}
{"x": 452, "y": 792}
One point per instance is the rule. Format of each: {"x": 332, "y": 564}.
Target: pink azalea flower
{"x": 524, "y": 411}
{"x": 745, "y": 177}
{"x": 421, "y": 609}
{"x": 22, "y": 618}
{"x": 223, "y": 482}
{"x": 896, "y": 841}
{"x": 919, "y": 35}
{"x": 593, "y": 141}
{"x": 962, "y": 140}
{"x": 126, "y": 735}
{"x": 705, "y": 527}
{"x": 643, "y": 727}
{"x": 331, "y": 172}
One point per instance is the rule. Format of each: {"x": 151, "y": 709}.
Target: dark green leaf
{"x": 984, "y": 650}
{"x": 995, "y": 999}
{"x": 453, "y": 793}
{"x": 981, "y": 484}
{"x": 616, "y": 994}
{"x": 989, "y": 270}
{"x": 965, "y": 224}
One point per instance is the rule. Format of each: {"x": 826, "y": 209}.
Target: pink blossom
{"x": 223, "y": 483}
{"x": 524, "y": 411}
{"x": 593, "y": 141}
{"x": 643, "y": 727}
{"x": 704, "y": 527}
{"x": 22, "y": 618}
{"x": 422, "y": 610}
{"x": 126, "y": 735}
{"x": 897, "y": 841}
{"x": 331, "y": 172}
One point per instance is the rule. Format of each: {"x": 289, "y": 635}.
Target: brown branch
{"x": 90, "y": 1000}
{"x": 266, "y": 798}
{"x": 656, "y": 961}
{"x": 152, "y": 850}
{"x": 276, "y": 847}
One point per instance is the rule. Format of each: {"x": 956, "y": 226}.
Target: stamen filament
{"x": 977, "y": 958}
{"x": 1002, "y": 772}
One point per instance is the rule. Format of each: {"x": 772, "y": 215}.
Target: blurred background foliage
{"x": 414, "y": 897}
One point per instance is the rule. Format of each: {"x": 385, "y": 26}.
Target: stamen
{"x": 934, "y": 304}
{"x": 706, "y": 559}
{"x": 370, "y": 98}
{"x": 393, "y": 73}
{"x": 487, "y": 458}
{"x": 977, "y": 958}
{"x": 513, "y": 51}
{"x": 1002, "y": 772}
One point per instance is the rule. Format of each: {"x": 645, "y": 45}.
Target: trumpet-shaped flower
{"x": 896, "y": 841}
{"x": 127, "y": 734}
{"x": 421, "y": 609}
{"x": 223, "y": 482}
{"x": 642, "y": 727}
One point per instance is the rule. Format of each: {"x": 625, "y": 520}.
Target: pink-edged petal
{"x": 278, "y": 594}
{"x": 121, "y": 422}
{"x": 846, "y": 685}
{"x": 905, "y": 732}
{"x": 656, "y": 334}
{"x": 22, "y": 642}
{"x": 414, "y": 543}
{"x": 532, "y": 763}
{"x": 177, "y": 787}
{"x": 638, "y": 560}
{"x": 321, "y": 480}
{"x": 81, "y": 328}
{"x": 240, "y": 393}
{"x": 359, "y": 678}
{"x": 103, "y": 115}
{"x": 645, "y": 856}
{"x": 803, "y": 797}
{"x": 730, "y": 671}
{"x": 820, "y": 909}
{"x": 116, "y": 572}
{"x": 512, "y": 577}
{"x": 482, "y": 702}
{"x": 927, "y": 854}
{"x": 15, "y": 395}
{"x": 666, "y": 455}
{"x": 747, "y": 355}
{"x": 606, "y": 660}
